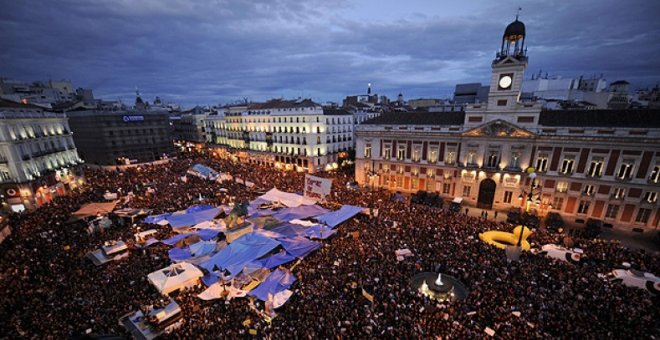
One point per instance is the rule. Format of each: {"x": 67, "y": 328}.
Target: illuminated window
{"x": 451, "y": 157}
{"x": 655, "y": 174}
{"x": 466, "y": 191}
{"x": 401, "y": 152}
{"x": 433, "y": 156}
{"x": 542, "y": 163}
{"x": 562, "y": 186}
{"x": 619, "y": 193}
{"x": 651, "y": 196}
{"x": 446, "y": 187}
{"x": 387, "y": 151}
{"x": 557, "y": 203}
{"x": 567, "y": 166}
{"x": 589, "y": 190}
{"x": 417, "y": 153}
{"x": 625, "y": 170}
{"x": 595, "y": 168}
{"x": 367, "y": 150}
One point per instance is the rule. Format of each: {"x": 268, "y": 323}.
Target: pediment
{"x": 499, "y": 128}
{"x": 508, "y": 60}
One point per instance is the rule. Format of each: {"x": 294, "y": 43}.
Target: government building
{"x": 296, "y": 135}
{"x": 505, "y": 153}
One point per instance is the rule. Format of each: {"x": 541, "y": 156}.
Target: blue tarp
{"x": 276, "y": 282}
{"x": 299, "y": 247}
{"x": 243, "y": 250}
{"x": 156, "y": 218}
{"x": 207, "y": 234}
{"x": 334, "y": 218}
{"x": 179, "y": 254}
{"x": 275, "y": 260}
{"x": 205, "y": 171}
{"x": 290, "y": 230}
{"x": 210, "y": 278}
{"x": 190, "y": 219}
{"x": 174, "y": 239}
{"x": 202, "y": 248}
{"x": 200, "y": 207}
{"x": 301, "y": 212}
{"x": 319, "y": 231}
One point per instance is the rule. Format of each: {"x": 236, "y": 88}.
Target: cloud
{"x": 207, "y": 52}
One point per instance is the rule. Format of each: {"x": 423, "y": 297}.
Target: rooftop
{"x": 419, "y": 118}
{"x": 644, "y": 118}
{"x": 282, "y": 104}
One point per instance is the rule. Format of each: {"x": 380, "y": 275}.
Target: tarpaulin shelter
{"x": 192, "y": 218}
{"x": 289, "y": 230}
{"x": 175, "y": 277}
{"x": 94, "y": 209}
{"x": 334, "y": 218}
{"x": 288, "y": 199}
{"x": 300, "y": 212}
{"x": 203, "y": 171}
{"x": 276, "y": 282}
{"x": 199, "y": 207}
{"x": 319, "y": 231}
{"x": 235, "y": 256}
{"x": 277, "y": 259}
{"x": 299, "y": 246}
{"x": 157, "y": 218}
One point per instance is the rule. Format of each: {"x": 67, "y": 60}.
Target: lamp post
{"x": 371, "y": 174}
{"x": 529, "y": 200}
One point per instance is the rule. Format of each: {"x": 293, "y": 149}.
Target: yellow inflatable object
{"x": 501, "y": 239}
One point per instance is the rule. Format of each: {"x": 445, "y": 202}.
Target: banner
{"x": 317, "y": 187}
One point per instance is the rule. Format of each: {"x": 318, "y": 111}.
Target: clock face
{"x": 505, "y": 82}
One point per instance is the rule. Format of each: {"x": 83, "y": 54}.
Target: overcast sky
{"x": 218, "y": 51}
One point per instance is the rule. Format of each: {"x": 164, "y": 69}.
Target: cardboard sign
{"x": 316, "y": 187}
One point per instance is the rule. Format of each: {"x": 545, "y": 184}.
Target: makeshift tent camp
{"x": 276, "y": 282}
{"x": 175, "y": 277}
{"x": 334, "y": 218}
{"x": 288, "y": 199}
{"x": 157, "y": 218}
{"x": 301, "y": 212}
{"x": 203, "y": 171}
{"x": 319, "y": 231}
{"x": 94, "y": 209}
{"x": 289, "y": 230}
{"x": 278, "y": 259}
{"x": 243, "y": 250}
{"x": 299, "y": 246}
{"x": 189, "y": 219}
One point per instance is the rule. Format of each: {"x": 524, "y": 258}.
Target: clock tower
{"x": 508, "y": 69}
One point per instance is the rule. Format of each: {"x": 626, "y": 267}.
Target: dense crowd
{"x": 49, "y": 288}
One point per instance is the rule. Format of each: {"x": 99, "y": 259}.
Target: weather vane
{"x": 518, "y": 12}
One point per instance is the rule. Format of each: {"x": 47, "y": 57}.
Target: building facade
{"x": 190, "y": 126}
{"x": 599, "y": 164}
{"x": 290, "y": 134}
{"x": 121, "y": 137}
{"x": 38, "y": 156}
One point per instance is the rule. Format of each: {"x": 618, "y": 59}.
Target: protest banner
{"x": 316, "y": 187}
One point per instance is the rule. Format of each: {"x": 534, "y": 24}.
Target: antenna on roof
{"x": 518, "y": 13}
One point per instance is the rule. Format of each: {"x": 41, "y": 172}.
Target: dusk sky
{"x": 215, "y": 51}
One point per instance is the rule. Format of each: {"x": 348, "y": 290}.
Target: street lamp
{"x": 530, "y": 200}
{"x": 372, "y": 175}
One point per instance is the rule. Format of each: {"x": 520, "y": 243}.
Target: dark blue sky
{"x": 215, "y": 51}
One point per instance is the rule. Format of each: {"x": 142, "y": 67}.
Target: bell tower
{"x": 508, "y": 69}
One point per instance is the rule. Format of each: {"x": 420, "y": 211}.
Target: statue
{"x": 439, "y": 280}
{"x": 237, "y": 215}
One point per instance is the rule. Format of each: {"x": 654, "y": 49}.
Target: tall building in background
{"x": 38, "y": 156}
{"x": 112, "y": 137}
{"x": 587, "y": 164}
{"x": 289, "y": 134}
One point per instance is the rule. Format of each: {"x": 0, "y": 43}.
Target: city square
{"x": 246, "y": 201}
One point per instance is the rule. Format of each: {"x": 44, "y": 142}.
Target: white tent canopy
{"x": 289, "y": 199}
{"x": 176, "y": 276}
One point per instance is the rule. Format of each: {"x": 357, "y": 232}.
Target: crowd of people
{"x": 50, "y": 289}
